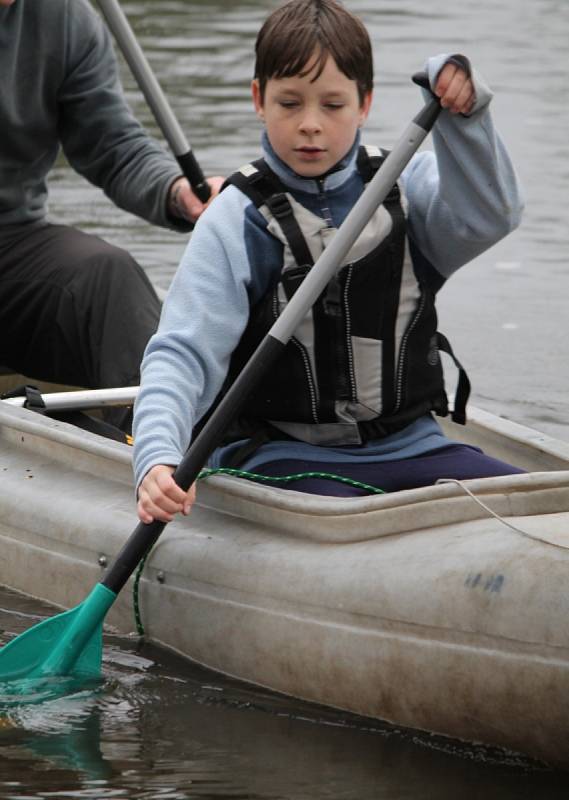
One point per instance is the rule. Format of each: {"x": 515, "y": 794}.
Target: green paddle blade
{"x": 69, "y": 645}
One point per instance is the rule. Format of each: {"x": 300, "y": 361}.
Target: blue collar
{"x": 333, "y": 179}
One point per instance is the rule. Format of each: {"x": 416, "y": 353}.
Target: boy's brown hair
{"x": 293, "y": 33}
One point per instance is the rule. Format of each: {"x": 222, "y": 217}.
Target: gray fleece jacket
{"x": 59, "y": 87}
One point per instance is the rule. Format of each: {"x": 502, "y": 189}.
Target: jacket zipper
{"x": 348, "y": 332}
{"x": 312, "y": 388}
{"x": 336, "y": 306}
{"x": 403, "y": 353}
{"x": 326, "y": 215}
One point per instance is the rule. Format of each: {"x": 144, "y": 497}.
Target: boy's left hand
{"x": 455, "y": 89}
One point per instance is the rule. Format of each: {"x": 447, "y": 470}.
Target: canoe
{"x": 443, "y": 609}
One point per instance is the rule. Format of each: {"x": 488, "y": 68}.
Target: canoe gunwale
{"x": 341, "y": 521}
{"x": 333, "y": 520}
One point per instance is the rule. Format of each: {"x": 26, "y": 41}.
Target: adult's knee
{"x": 119, "y": 310}
{"x": 113, "y": 268}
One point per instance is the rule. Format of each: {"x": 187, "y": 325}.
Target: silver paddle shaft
{"x": 144, "y": 76}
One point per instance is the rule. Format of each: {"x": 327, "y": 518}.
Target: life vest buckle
{"x": 280, "y": 206}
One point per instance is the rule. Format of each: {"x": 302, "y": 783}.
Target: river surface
{"x": 159, "y": 728}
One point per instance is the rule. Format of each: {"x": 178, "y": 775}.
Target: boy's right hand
{"x": 455, "y": 89}
{"x": 160, "y": 497}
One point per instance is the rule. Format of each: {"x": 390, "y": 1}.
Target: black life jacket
{"x": 365, "y": 361}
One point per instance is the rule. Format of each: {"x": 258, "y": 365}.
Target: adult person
{"x": 74, "y": 308}
{"x": 353, "y": 393}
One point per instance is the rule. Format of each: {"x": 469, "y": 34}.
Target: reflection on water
{"x": 160, "y": 728}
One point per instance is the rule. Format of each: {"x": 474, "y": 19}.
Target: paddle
{"x": 119, "y": 25}
{"x": 79, "y": 398}
{"x": 70, "y": 644}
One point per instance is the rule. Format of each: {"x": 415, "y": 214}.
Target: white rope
{"x": 499, "y": 518}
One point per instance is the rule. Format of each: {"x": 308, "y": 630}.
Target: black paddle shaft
{"x": 193, "y": 172}
{"x": 145, "y": 535}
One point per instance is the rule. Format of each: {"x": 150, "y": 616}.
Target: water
{"x": 159, "y": 728}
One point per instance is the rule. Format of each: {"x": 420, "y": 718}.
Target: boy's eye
{"x": 288, "y": 103}
{"x": 334, "y": 106}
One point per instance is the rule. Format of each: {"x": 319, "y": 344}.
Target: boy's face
{"x": 311, "y": 124}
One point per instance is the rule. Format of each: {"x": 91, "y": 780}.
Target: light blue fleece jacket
{"x": 462, "y": 198}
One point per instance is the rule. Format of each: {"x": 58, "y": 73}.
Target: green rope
{"x": 136, "y": 597}
{"x": 252, "y": 476}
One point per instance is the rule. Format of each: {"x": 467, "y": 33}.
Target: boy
{"x": 353, "y": 393}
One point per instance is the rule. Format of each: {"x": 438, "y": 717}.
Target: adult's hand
{"x": 183, "y": 203}
{"x": 160, "y": 497}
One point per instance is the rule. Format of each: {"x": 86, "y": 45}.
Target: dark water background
{"x": 160, "y": 728}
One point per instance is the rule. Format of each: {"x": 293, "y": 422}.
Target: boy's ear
{"x": 365, "y": 107}
{"x": 257, "y": 101}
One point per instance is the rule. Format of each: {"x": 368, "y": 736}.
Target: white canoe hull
{"x": 418, "y": 607}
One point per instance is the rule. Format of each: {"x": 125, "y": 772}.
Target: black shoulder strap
{"x": 263, "y": 187}
{"x": 369, "y": 160}
{"x": 257, "y": 181}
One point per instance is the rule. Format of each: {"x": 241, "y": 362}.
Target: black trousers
{"x": 73, "y": 308}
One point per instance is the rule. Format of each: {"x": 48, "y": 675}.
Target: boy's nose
{"x": 310, "y": 124}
